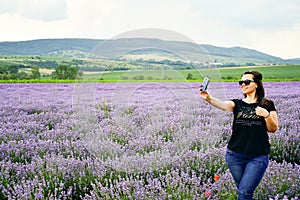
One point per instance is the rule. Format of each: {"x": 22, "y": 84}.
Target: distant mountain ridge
{"x": 120, "y": 48}
{"x": 46, "y": 46}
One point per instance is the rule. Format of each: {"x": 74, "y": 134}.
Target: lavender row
{"x": 133, "y": 141}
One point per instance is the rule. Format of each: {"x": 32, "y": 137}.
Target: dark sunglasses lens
{"x": 246, "y": 82}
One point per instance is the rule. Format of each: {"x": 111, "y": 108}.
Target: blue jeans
{"x": 247, "y": 171}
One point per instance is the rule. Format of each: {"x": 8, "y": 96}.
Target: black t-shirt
{"x": 249, "y": 131}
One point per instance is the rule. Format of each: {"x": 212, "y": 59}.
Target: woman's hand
{"x": 270, "y": 117}
{"x": 204, "y": 94}
{"x": 262, "y": 112}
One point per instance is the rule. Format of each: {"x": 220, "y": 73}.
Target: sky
{"x": 268, "y": 26}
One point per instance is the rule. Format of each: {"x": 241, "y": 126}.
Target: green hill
{"x": 141, "y": 49}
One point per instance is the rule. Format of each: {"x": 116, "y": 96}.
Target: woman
{"x": 248, "y": 149}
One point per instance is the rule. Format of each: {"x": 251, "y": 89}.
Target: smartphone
{"x": 204, "y": 84}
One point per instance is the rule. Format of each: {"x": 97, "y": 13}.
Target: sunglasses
{"x": 246, "y": 82}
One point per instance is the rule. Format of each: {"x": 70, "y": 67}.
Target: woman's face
{"x": 251, "y": 88}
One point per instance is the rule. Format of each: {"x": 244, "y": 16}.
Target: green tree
{"x": 3, "y": 70}
{"x": 72, "y": 73}
{"x": 35, "y": 73}
{"x": 61, "y": 72}
{"x": 65, "y": 72}
{"x": 22, "y": 76}
{"x": 189, "y": 76}
{"x": 13, "y": 69}
{"x": 4, "y": 77}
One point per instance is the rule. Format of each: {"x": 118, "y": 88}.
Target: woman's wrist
{"x": 208, "y": 98}
{"x": 268, "y": 115}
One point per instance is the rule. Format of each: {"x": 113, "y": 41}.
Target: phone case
{"x": 205, "y": 83}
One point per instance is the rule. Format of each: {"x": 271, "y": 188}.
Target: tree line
{"x": 12, "y": 72}
{"x": 61, "y": 72}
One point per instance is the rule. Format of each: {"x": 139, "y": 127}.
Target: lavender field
{"x": 134, "y": 141}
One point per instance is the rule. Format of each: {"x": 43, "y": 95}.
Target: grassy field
{"x": 270, "y": 73}
{"x": 275, "y": 73}
{"x": 157, "y": 72}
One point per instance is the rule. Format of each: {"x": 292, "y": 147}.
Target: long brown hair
{"x": 260, "y": 91}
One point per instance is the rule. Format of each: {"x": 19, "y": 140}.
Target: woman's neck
{"x": 251, "y": 98}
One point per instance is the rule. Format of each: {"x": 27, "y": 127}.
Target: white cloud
{"x": 282, "y": 43}
{"x": 270, "y": 26}
{"x": 9, "y": 6}
{"x": 18, "y": 28}
{"x": 88, "y": 18}
{"x": 261, "y": 14}
{"x": 45, "y": 10}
